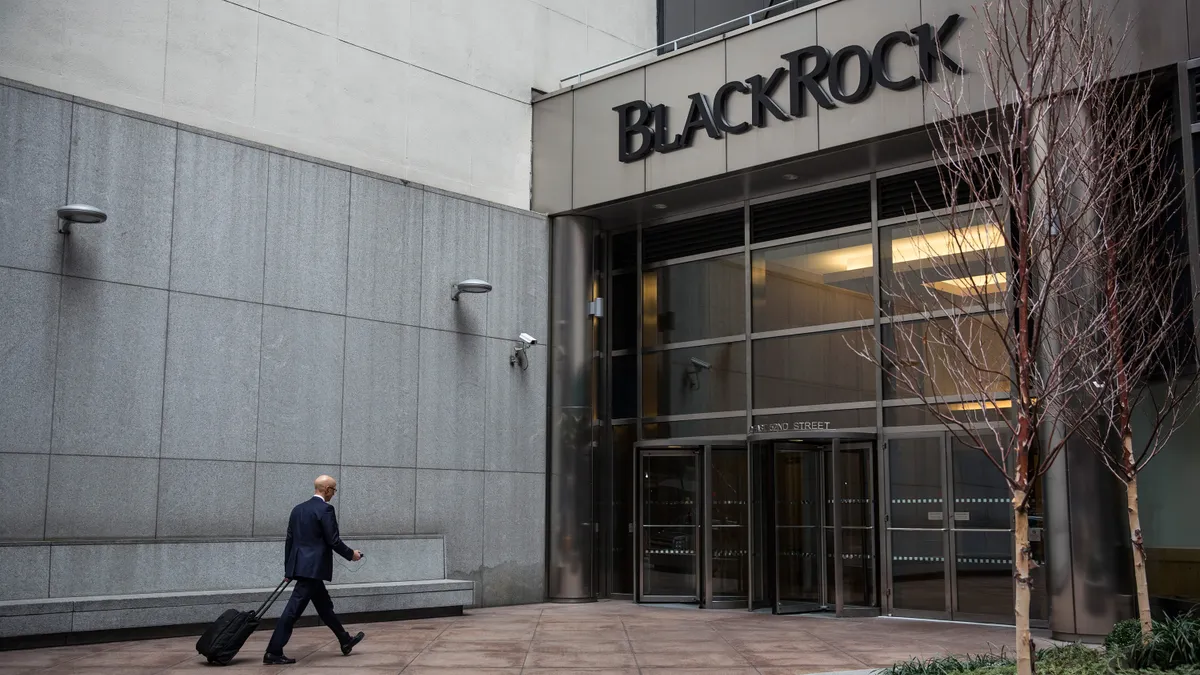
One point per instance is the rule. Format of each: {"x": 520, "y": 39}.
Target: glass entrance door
{"x": 950, "y": 532}
{"x": 799, "y": 528}
{"x": 822, "y": 530}
{"x": 727, "y": 539}
{"x": 669, "y": 525}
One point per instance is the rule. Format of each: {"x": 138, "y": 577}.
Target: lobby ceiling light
{"x": 469, "y": 286}
{"x": 790, "y": 176}
{"x": 78, "y": 213}
{"x": 658, "y": 206}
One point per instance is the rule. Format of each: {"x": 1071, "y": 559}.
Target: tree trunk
{"x": 1023, "y": 558}
{"x": 1139, "y": 556}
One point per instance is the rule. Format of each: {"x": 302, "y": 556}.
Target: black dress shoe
{"x": 277, "y": 660}
{"x": 349, "y": 644}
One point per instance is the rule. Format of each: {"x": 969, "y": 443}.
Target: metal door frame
{"x": 833, "y": 440}
{"x": 697, "y": 454}
{"x": 886, "y": 467}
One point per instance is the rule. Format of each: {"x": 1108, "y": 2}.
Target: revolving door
{"x": 815, "y": 506}
{"x": 782, "y": 522}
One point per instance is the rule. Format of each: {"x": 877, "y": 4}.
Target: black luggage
{"x": 221, "y": 642}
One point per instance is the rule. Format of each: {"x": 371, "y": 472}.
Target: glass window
{"x": 930, "y": 266}
{"x": 981, "y": 496}
{"x": 945, "y": 357}
{"x": 1168, "y": 501}
{"x": 694, "y": 380}
{"x": 919, "y": 415}
{"x": 814, "y": 282}
{"x": 812, "y": 369}
{"x": 694, "y": 301}
{"x": 724, "y": 426}
{"x": 622, "y": 311}
{"x": 624, "y": 387}
{"x": 831, "y": 419}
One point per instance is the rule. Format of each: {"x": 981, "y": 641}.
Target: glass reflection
{"x": 813, "y": 283}
{"x": 694, "y": 380}
{"x": 622, "y": 311}
{"x": 919, "y": 571}
{"x": 947, "y": 357}
{"x": 984, "y": 570}
{"x": 730, "y": 530}
{"x": 928, "y": 265}
{"x": 694, "y": 301}
{"x": 812, "y": 369}
{"x": 669, "y": 521}
{"x": 915, "y": 475}
{"x": 798, "y": 526}
{"x": 981, "y": 496}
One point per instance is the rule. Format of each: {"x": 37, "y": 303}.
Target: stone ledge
{"x": 101, "y": 613}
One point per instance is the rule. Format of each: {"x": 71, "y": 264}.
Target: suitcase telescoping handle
{"x": 272, "y": 598}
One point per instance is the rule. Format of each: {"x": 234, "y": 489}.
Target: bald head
{"x": 325, "y": 486}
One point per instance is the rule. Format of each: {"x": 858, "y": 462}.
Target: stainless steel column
{"x": 569, "y": 521}
{"x": 1087, "y": 549}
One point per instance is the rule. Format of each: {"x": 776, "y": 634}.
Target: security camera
{"x": 702, "y": 365}
{"x": 528, "y": 339}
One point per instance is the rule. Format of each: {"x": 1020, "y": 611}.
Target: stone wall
{"x": 248, "y": 319}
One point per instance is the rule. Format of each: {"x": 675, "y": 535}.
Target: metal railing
{"x": 783, "y": 5}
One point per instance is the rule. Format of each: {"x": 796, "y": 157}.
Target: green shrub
{"x": 1174, "y": 643}
{"x": 1178, "y": 640}
{"x": 949, "y": 665}
{"x": 1123, "y": 636}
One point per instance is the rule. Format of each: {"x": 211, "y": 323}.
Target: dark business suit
{"x": 312, "y": 539}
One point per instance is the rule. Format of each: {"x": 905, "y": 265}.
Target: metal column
{"x": 569, "y": 519}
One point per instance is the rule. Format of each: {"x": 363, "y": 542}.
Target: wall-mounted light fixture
{"x": 78, "y": 213}
{"x": 520, "y": 355}
{"x": 469, "y": 286}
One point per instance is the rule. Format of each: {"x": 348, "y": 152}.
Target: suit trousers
{"x": 304, "y": 591}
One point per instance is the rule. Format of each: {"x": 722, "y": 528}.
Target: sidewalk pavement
{"x": 602, "y": 638}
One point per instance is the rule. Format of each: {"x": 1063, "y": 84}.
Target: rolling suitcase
{"x": 221, "y": 642}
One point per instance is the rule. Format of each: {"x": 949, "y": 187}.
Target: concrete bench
{"x": 113, "y": 612}
{"x": 73, "y": 588}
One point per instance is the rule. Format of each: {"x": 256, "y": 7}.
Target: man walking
{"x": 312, "y": 537}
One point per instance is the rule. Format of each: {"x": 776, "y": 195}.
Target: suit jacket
{"x": 312, "y": 538}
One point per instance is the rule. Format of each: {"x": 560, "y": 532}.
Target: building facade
{"x": 731, "y": 214}
{"x": 291, "y": 190}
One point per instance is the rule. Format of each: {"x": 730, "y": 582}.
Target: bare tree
{"x": 993, "y": 320}
{"x": 1145, "y": 347}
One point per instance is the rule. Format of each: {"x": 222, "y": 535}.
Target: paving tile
{"x": 692, "y": 660}
{"x": 459, "y": 670}
{"x": 471, "y": 659}
{"x": 582, "y": 644}
{"x": 833, "y": 659}
{"x": 44, "y": 658}
{"x": 128, "y": 659}
{"x": 513, "y": 646}
{"x": 797, "y": 669}
{"x": 301, "y": 670}
{"x": 103, "y": 670}
{"x": 581, "y": 660}
{"x": 698, "y": 671}
{"x": 383, "y": 643}
{"x": 330, "y": 659}
{"x": 580, "y": 671}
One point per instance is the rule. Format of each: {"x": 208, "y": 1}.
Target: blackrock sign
{"x": 644, "y": 128}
